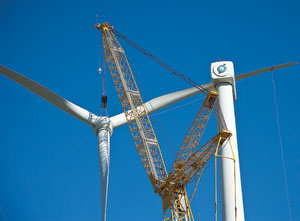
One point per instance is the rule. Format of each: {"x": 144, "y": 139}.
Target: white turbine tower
{"x": 103, "y": 126}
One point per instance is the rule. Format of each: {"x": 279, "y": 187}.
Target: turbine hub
{"x": 103, "y": 123}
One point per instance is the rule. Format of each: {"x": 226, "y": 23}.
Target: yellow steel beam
{"x": 133, "y": 107}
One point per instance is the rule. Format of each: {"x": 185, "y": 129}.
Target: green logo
{"x": 221, "y": 68}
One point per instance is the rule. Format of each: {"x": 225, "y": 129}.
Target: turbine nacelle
{"x": 223, "y": 72}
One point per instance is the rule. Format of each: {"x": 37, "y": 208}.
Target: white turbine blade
{"x": 104, "y": 156}
{"x": 252, "y": 73}
{"x": 161, "y": 102}
{"x": 65, "y": 105}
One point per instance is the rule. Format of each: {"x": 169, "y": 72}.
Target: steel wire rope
{"x": 104, "y": 96}
{"x": 160, "y": 62}
{"x": 281, "y": 147}
{"x": 102, "y": 71}
{"x": 169, "y": 68}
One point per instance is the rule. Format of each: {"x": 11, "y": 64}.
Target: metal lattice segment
{"x": 160, "y": 62}
{"x": 195, "y": 132}
{"x": 134, "y": 109}
{"x": 193, "y": 165}
{"x": 174, "y": 188}
{"x": 175, "y": 212}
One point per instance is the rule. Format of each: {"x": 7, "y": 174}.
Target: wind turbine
{"x": 222, "y": 78}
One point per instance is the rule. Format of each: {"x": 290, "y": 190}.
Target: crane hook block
{"x": 104, "y": 101}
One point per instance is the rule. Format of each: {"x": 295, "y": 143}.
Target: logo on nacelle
{"x": 222, "y": 68}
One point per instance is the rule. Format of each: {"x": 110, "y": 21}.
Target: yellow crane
{"x": 189, "y": 162}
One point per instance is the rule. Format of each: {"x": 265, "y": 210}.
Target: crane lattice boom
{"x": 134, "y": 109}
{"x": 192, "y": 166}
{"x": 192, "y": 138}
{"x": 174, "y": 193}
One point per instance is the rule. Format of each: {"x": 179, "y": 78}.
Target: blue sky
{"x": 48, "y": 160}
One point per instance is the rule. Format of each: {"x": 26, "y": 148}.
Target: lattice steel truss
{"x": 192, "y": 138}
{"x": 134, "y": 109}
{"x": 173, "y": 190}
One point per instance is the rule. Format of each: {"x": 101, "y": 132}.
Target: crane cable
{"x": 102, "y": 70}
{"x": 177, "y": 73}
{"x": 160, "y": 62}
{"x": 281, "y": 148}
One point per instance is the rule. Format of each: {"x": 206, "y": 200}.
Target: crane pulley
{"x": 190, "y": 161}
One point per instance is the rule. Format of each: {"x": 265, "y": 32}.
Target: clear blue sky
{"x": 48, "y": 160}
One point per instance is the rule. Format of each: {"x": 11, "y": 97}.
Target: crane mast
{"x": 189, "y": 162}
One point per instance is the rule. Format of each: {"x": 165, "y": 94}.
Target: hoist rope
{"x": 104, "y": 97}
{"x": 160, "y": 62}
{"x": 281, "y": 148}
{"x": 102, "y": 71}
{"x": 103, "y": 74}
